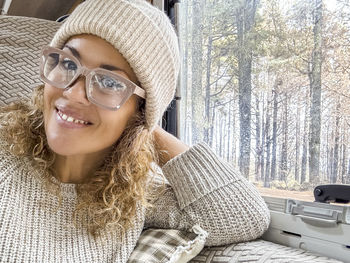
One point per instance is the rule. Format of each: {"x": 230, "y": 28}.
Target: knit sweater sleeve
{"x": 205, "y": 190}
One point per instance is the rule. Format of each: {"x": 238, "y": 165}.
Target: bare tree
{"x": 335, "y": 158}
{"x": 297, "y": 145}
{"x": 315, "y": 87}
{"x": 274, "y": 130}
{"x": 284, "y": 148}
{"x": 258, "y": 146}
{"x": 197, "y": 62}
{"x": 245, "y": 20}
{"x": 268, "y": 146}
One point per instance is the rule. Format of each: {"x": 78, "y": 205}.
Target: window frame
{"x": 171, "y": 116}
{"x": 286, "y": 228}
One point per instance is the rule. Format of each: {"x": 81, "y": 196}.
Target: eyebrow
{"x": 74, "y": 51}
{"x": 104, "y": 66}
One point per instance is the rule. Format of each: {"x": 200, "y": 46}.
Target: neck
{"x": 76, "y": 169}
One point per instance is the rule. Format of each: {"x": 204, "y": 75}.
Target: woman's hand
{"x": 167, "y": 145}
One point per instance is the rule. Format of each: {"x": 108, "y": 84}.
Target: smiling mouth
{"x": 71, "y": 119}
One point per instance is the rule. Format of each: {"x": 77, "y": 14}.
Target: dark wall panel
{"x": 1, "y": 3}
{"x": 47, "y": 9}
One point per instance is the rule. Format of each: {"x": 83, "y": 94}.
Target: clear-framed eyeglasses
{"x": 103, "y": 87}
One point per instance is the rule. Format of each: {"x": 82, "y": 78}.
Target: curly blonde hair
{"x": 111, "y": 196}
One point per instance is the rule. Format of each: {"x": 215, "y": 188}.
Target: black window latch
{"x": 335, "y": 193}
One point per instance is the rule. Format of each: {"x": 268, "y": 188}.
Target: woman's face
{"x": 75, "y": 126}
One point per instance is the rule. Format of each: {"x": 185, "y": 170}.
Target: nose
{"x": 76, "y": 92}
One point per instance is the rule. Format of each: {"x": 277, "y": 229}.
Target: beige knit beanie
{"x": 142, "y": 34}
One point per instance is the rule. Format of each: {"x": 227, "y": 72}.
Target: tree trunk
{"x": 284, "y": 149}
{"x": 257, "y": 139}
{"x": 211, "y": 131}
{"x": 211, "y": 137}
{"x": 305, "y": 145}
{"x": 343, "y": 170}
{"x": 345, "y": 153}
{"x": 197, "y": 61}
{"x": 184, "y": 70}
{"x": 348, "y": 173}
{"x": 297, "y": 145}
{"x": 336, "y": 146}
{"x": 329, "y": 155}
{"x": 268, "y": 143}
{"x": 274, "y": 132}
{"x": 315, "y": 87}
{"x": 234, "y": 135}
{"x": 222, "y": 135}
{"x": 229, "y": 145}
{"x": 245, "y": 21}
{"x": 262, "y": 154}
{"x": 208, "y": 79}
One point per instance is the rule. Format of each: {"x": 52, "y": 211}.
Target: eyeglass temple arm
{"x": 140, "y": 92}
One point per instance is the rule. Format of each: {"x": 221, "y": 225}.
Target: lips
{"x": 71, "y": 115}
{"x": 70, "y": 118}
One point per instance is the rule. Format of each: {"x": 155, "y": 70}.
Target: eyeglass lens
{"x": 59, "y": 69}
{"x": 103, "y": 89}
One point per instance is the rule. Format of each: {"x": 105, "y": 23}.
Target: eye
{"x": 112, "y": 84}
{"x": 69, "y": 65}
{"x": 53, "y": 59}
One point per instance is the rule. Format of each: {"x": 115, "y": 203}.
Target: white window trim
{"x": 159, "y": 4}
{"x": 295, "y": 230}
{"x": 5, "y": 7}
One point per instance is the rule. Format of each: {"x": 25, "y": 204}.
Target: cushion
{"x": 168, "y": 245}
{"x": 258, "y": 251}
{"x": 21, "y": 39}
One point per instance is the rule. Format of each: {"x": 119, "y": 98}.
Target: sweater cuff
{"x": 197, "y": 172}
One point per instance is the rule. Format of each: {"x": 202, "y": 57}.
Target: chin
{"x": 61, "y": 149}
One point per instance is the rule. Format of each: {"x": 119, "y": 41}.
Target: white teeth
{"x": 71, "y": 119}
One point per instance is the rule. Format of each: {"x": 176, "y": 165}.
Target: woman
{"x": 78, "y": 161}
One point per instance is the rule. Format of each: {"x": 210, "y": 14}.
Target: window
{"x": 266, "y": 85}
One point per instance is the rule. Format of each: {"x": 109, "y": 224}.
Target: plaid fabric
{"x": 159, "y": 245}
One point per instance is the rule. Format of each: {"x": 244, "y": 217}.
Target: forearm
{"x": 210, "y": 192}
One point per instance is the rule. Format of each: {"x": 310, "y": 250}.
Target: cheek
{"x": 48, "y": 90}
{"x": 50, "y": 93}
{"x": 115, "y": 122}
{"x": 113, "y": 125}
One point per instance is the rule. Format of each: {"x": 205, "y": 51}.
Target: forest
{"x": 265, "y": 83}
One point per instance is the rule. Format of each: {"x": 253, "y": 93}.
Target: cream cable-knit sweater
{"x": 204, "y": 190}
